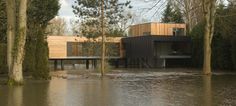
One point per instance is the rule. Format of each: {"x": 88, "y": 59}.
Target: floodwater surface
{"x": 125, "y": 88}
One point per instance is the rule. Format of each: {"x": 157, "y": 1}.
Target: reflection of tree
{"x": 97, "y": 93}
{"x": 36, "y": 94}
{"x": 207, "y": 92}
{"x": 15, "y": 96}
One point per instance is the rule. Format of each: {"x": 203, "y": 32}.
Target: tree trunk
{"x": 209, "y": 9}
{"x": 19, "y": 46}
{"x": 11, "y": 31}
{"x": 103, "y": 40}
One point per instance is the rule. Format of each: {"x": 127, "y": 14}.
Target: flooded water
{"x": 129, "y": 88}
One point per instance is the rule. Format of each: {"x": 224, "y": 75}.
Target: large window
{"x": 91, "y": 49}
{"x": 178, "y": 32}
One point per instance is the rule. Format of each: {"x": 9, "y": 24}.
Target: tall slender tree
{"x": 89, "y": 16}
{"x": 209, "y": 9}
{"x": 96, "y": 23}
{"x": 103, "y": 40}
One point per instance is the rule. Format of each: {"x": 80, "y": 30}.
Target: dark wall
{"x": 141, "y": 49}
{"x": 138, "y": 47}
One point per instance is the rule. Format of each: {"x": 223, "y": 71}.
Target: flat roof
{"x": 155, "y": 23}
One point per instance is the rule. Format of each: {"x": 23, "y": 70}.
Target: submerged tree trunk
{"x": 209, "y": 8}
{"x": 19, "y": 44}
{"x": 11, "y": 31}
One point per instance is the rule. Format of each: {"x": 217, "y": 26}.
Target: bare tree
{"x": 57, "y": 26}
{"x": 192, "y": 12}
{"x": 209, "y": 10}
{"x": 75, "y": 27}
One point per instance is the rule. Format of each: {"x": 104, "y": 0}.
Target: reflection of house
{"x": 156, "y": 45}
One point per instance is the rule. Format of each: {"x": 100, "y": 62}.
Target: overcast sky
{"x": 139, "y": 9}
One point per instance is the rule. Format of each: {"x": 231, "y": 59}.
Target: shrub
{"x": 3, "y": 58}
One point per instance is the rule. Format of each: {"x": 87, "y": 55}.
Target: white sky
{"x": 66, "y": 9}
{"x": 138, "y": 9}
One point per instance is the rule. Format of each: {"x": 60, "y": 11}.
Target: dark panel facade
{"x": 145, "y": 51}
{"x": 138, "y": 47}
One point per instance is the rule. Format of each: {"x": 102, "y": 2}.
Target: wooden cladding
{"x": 163, "y": 29}
{"x": 58, "y": 45}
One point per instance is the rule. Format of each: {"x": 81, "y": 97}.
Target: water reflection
{"x": 15, "y": 96}
{"x": 57, "y": 92}
{"x": 35, "y": 93}
{"x": 130, "y": 89}
{"x": 207, "y": 90}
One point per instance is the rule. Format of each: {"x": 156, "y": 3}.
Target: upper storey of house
{"x": 158, "y": 29}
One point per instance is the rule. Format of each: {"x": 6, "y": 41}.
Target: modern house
{"x": 157, "y": 45}
{"x": 149, "y": 45}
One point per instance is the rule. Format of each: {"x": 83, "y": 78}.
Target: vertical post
{"x": 95, "y": 63}
{"x": 126, "y": 63}
{"x": 55, "y": 64}
{"x": 164, "y": 63}
{"x": 103, "y": 40}
{"x": 92, "y": 64}
{"x": 62, "y": 66}
{"x": 117, "y": 63}
{"x": 87, "y": 64}
{"x": 139, "y": 63}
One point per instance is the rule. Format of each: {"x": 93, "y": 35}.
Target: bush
{"x": 221, "y": 53}
{"x": 234, "y": 51}
{"x": 3, "y": 58}
{"x": 197, "y": 45}
{"x": 42, "y": 64}
{"x": 221, "y": 48}
{"x": 29, "y": 60}
{"x": 36, "y": 57}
